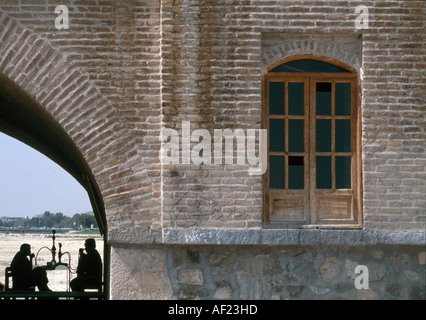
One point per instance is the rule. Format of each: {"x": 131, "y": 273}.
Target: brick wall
{"x": 212, "y": 73}
{"x": 100, "y": 79}
{"x": 393, "y": 117}
{"x": 124, "y": 70}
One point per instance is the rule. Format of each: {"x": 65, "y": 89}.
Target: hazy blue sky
{"x": 30, "y": 183}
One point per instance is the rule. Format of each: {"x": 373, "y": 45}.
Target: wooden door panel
{"x": 288, "y": 209}
{"x": 334, "y": 208}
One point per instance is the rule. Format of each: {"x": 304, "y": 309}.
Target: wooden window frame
{"x": 317, "y": 203}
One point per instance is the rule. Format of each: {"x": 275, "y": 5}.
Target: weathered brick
{"x": 123, "y": 71}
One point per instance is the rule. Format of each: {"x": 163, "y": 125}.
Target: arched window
{"x": 312, "y": 117}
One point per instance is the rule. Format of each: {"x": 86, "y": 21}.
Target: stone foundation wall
{"x": 267, "y": 272}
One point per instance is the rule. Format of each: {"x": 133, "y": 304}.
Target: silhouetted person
{"x": 89, "y": 269}
{"x": 24, "y": 276}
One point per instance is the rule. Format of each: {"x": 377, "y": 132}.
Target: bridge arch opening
{"x": 24, "y": 119}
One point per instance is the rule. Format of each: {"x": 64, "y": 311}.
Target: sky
{"x": 31, "y": 183}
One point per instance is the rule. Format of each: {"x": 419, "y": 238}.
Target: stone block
{"x": 190, "y": 277}
{"x": 223, "y": 290}
{"x": 422, "y": 257}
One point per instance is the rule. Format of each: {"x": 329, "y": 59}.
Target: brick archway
{"x": 110, "y": 133}
{"x": 54, "y": 81}
{"x": 64, "y": 90}
{"x": 26, "y": 120}
{"x": 39, "y": 84}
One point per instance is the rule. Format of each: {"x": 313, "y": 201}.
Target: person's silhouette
{"x": 89, "y": 269}
{"x": 23, "y": 275}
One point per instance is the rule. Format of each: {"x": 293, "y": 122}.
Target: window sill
{"x": 287, "y": 226}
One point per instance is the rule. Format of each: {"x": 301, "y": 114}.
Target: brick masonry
{"x": 124, "y": 70}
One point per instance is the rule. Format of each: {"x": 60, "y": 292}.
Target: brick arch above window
{"x": 346, "y": 49}
{"x": 334, "y": 66}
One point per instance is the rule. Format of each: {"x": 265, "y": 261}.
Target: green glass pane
{"x": 323, "y": 135}
{"x": 306, "y": 65}
{"x": 343, "y": 99}
{"x": 276, "y": 172}
{"x": 295, "y": 99}
{"x": 323, "y": 98}
{"x": 276, "y": 135}
{"x": 295, "y": 173}
{"x": 343, "y": 136}
{"x": 276, "y": 98}
{"x": 323, "y": 173}
{"x": 295, "y": 135}
{"x": 343, "y": 172}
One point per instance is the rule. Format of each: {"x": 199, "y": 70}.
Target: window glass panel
{"x": 343, "y": 172}
{"x": 295, "y": 173}
{"x": 276, "y": 98}
{"x": 276, "y": 172}
{"x": 343, "y": 99}
{"x": 295, "y": 98}
{"x": 323, "y": 135}
{"x": 343, "y": 135}
{"x": 323, "y": 172}
{"x": 307, "y": 65}
{"x": 295, "y": 132}
{"x": 323, "y": 98}
{"x": 276, "y": 135}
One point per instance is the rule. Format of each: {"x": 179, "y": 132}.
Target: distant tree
{"x": 85, "y": 220}
{"x": 35, "y": 222}
{"x": 58, "y": 217}
{"x": 66, "y": 222}
{"x": 53, "y": 220}
{"x": 48, "y": 219}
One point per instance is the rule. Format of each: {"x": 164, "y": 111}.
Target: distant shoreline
{"x": 47, "y": 231}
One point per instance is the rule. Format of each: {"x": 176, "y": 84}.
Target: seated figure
{"x": 89, "y": 269}
{"x": 24, "y": 276}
